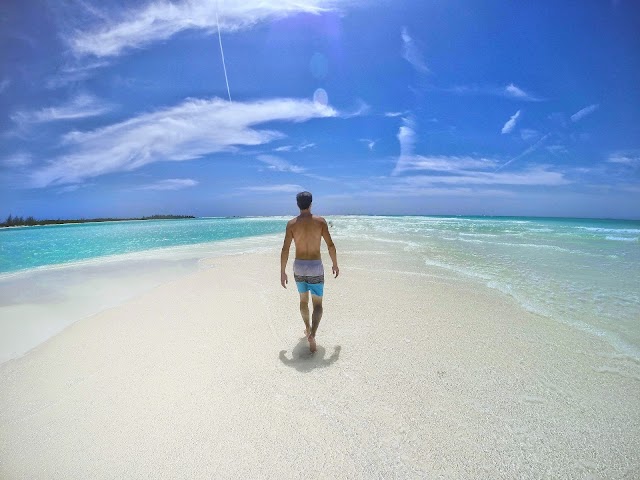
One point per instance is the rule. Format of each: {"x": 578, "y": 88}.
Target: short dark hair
{"x": 304, "y": 200}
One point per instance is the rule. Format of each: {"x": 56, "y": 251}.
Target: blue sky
{"x": 122, "y": 108}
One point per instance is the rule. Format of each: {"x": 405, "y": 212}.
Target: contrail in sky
{"x": 224, "y": 67}
{"x": 532, "y": 148}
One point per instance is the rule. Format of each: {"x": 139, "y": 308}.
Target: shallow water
{"x": 581, "y": 272}
{"x": 30, "y": 247}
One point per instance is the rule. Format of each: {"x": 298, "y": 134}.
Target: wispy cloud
{"x": 580, "y": 114}
{"x": 557, "y": 149}
{"x": 278, "y": 164}
{"x": 17, "y": 160}
{"x": 443, "y": 163}
{"x": 4, "y": 84}
{"x": 178, "y": 133}
{"x": 369, "y": 143}
{"x": 510, "y": 91}
{"x": 74, "y": 73}
{"x": 291, "y": 148}
{"x": 630, "y": 159}
{"x": 411, "y": 53}
{"x": 511, "y": 123}
{"x": 408, "y": 161}
{"x": 81, "y": 106}
{"x": 170, "y": 184}
{"x": 284, "y": 188}
{"x": 529, "y": 134}
{"x": 516, "y": 92}
{"x": 394, "y": 114}
{"x": 407, "y": 137}
{"x": 539, "y": 175}
{"x": 465, "y": 170}
{"x": 159, "y": 20}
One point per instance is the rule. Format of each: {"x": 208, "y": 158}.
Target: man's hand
{"x": 336, "y": 271}
{"x": 284, "y": 279}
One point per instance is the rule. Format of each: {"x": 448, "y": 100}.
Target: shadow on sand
{"x": 305, "y": 361}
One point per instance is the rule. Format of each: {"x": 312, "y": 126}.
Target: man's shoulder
{"x": 319, "y": 219}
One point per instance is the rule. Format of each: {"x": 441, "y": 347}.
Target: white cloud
{"x": 394, "y": 114}
{"x": 17, "y": 160}
{"x": 82, "y": 106}
{"x": 465, "y": 170}
{"x": 529, "y": 134}
{"x": 291, "y": 148}
{"x": 511, "y": 123}
{"x": 285, "y": 188}
{"x": 516, "y": 92}
{"x": 580, "y": 114}
{"x": 186, "y": 131}
{"x": 539, "y": 175}
{"x": 278, "y": 164}
{"x": 510, "y": 91}
{"x": 369, "y": 143}
{"x": 631, "y": 159}
{"x": 407, "y": 161}
{"x": 171, "y": 184}
{"x": 441, "y": 163}
{"x": 4, "y": 84}
{"x": 284, "y": 148}
{"x": 557, "y": 149}
{"x": 407, "y": 138}
{"x": 74, "y": 73}
{"x": 411, "y": 53}
{"x": 159, "y": 20}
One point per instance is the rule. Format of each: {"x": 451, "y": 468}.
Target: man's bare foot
{"x": 312, "y": 343}
{"x": 306, "y": 333}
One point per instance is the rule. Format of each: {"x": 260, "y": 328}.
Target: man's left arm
{"x": 331, "y": 247}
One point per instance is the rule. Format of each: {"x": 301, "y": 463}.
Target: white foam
{"x": 610, "y": 230}
{"x": 622, "y": 239}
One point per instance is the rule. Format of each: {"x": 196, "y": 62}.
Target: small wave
{"x": 610, "y": 230}
{"x": 529, "y": 245}
{"x": 622, "y": 239}
{"x": 462, "y": 271}
{"x": 479, "y": 234}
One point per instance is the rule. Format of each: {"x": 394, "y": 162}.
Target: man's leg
{"x": 304, "y": 311}
{"x": 317, "y": 315}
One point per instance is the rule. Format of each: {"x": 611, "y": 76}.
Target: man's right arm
{"x": 284, "y": 255}
{"x": 331, "y": 247}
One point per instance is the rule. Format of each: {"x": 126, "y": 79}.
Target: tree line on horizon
{"x": 30, "y": 221}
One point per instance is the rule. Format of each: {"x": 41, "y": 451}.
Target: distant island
{"x": 12, "y": 221}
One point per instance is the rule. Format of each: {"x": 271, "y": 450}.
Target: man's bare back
{"x": 307, "y": 231}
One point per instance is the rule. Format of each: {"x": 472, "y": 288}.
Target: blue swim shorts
{"x": 309, "y": 276}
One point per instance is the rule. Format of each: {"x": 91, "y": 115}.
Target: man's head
{"x": 304, "y": 200}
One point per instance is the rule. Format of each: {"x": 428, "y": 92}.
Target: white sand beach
{"x": 417, "y": 375}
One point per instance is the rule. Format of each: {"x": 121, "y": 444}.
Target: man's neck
{"x": 305, "y": 213}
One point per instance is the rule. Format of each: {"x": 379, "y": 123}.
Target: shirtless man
{"x": 306, "y": 230}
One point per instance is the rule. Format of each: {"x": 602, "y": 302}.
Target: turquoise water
{"x": 31, "y": 247}
{"x": 584, "y": 273}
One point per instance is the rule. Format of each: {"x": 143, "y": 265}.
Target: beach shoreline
{"x": 417, "y": 373}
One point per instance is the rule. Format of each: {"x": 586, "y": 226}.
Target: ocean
{"x": 581, "y": 272}
{"x": 30, "y": 247}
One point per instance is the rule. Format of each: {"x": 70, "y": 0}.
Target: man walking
{"x": 306, "y": 230}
